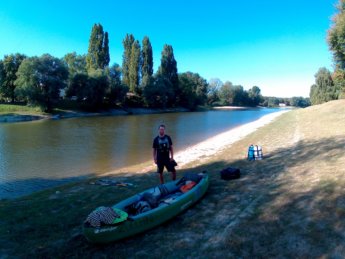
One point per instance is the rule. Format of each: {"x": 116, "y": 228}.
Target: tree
{"x": 214, "y": 86}
{"x": 168, "y": 67}
{"x": 158, "y": 93}
{"x": 273, "y": 102}
{"x": 96, "y": 90}
{"x": 339, "y": 82}
{"x": 39, "y": 80}
{"x": 78, "y": 86}
{"x": 2, "y": 77}
{"x": 239, "y": 96}
{"x": 226, "y": 93}
{"x": 98, "y": 51}
{"x": 300, "y": 102}
{"x": 254, "y": 95}
{"x": 76, "y": 63}
{"x": 336, "y": 36}
{"x": 9, "y": 68}
{"x": 147, "y": 62}
{"x": 336, "y": 42}
{"x": 187, "y": 98}
{"x": 105, "y": 51}
{"x": 126, "y": 57}
{"x": 134, "y": 67}
{"x": 90, "y": 89}
{"x": 193, "y": 90}
{"x": 117, "y": 91}
{"x": 323, "y": 90}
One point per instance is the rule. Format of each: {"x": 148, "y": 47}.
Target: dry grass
{"x": 291, "y": 204}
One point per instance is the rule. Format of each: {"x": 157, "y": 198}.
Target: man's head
{"x": 161, "y": 130}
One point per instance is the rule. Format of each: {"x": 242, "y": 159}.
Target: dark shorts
{"x": 167, "y": 164}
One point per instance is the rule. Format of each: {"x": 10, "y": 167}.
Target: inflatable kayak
{"x": 144, "y": 210}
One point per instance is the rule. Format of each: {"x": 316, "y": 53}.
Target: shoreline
{"x": 208, "y": 147}
{"x": 12, "y": 117}
{"x": 223, "y": 140}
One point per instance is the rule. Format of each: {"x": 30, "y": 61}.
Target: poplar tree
{"x": 168, "y": 67}
{"x": 127, "y": 45}
{"x": 134, "y": 67}
{"x": 98, "y": 51}
{"x": 105, "y": 51}
{"x": 147, "y": 62}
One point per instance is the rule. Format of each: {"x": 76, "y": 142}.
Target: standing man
{"x": 163, "y": 154}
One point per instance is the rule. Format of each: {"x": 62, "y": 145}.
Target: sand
{"x": 209, "y": 147}
{"x": 221, "y": 141}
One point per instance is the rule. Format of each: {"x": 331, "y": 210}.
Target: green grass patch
{"x": 19, "y": 109}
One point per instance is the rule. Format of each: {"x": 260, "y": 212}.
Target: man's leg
{"x": 160, "y": 169}
{"x": 172, "y": 170}
{"x": 173, "y": 175}
{"x": 161, "y": 178}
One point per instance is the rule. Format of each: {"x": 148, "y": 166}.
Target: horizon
{"x": 277, "y": 47}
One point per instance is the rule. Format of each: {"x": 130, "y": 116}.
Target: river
{"x": 40, "y": 154}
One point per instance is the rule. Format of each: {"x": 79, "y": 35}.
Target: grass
{"x": 291, "y": 204}
{"x": 18, "y": 108}
{"x": 64, "y": 106}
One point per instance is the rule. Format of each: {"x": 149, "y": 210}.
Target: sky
{"x": 275, "y": 45}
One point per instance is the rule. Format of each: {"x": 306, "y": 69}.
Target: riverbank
{"x": 20, "y": 113}
{"x": 16, "y": 115}
{"x": 197, "y": 153}
{"x": 291, "y": 204}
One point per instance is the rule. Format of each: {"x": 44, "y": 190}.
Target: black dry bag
{"x": 230, "y": 173}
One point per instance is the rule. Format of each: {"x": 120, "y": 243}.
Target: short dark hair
{"x": 162, "y": 125}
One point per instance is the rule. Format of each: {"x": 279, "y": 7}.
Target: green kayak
{"x": 149, "y": 209}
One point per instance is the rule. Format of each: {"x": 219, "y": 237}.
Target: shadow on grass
{"x": 261, "y": 214}
{"x": 300, "y": 205}
{"x": 21, "y": 187}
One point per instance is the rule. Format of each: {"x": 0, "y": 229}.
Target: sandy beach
{"x": 221, "y": 141}
{"x": 202, "y": 150}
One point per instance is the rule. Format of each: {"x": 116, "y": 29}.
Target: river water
{"x": 40, "y": 154}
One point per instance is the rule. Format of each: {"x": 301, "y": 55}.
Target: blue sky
{"x": 276, "y": 45}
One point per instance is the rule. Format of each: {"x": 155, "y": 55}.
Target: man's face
{"x": 161, "y": 131}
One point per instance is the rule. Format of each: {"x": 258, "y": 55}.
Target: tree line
{"x": 92, "y": 83}
{"x": 330, "y": 85}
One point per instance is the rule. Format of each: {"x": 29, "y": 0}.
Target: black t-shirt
{"x": 163, "y": 145}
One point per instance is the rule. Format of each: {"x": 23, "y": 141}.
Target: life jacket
{"x": 187, "y": 186}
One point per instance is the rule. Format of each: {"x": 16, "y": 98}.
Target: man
{"x": 163, "y": 154}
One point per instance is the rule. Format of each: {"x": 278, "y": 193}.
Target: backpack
{"x": 258, "y": 153}
{"x": 230, "y": 173}
{"x": 251, "y": 155}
